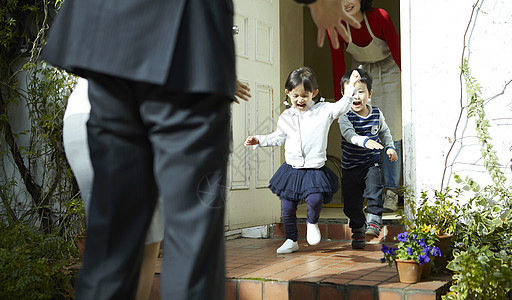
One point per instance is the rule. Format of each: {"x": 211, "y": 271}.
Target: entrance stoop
{"x": 330, "y": 270}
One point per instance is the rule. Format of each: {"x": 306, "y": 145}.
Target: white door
{"x": 249, "y": 201}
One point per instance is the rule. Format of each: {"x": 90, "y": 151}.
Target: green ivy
{"x": 481, "y": 274}
{"x": 37, "y": 186}
{"x": 483, "y": 249}
{"x": 38, "y": 182}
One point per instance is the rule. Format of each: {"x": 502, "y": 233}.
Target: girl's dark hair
{"x": 366, "y": 5}
{"x": 304, "y": 76}
{"x": 365, "y": 78}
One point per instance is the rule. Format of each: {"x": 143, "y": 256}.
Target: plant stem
{"x": 462, "y": 107}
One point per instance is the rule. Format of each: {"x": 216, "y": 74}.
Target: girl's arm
{"x": 349, "y": 133}
{"x": 343, "y": 105}
{"x": 276, "y": 138}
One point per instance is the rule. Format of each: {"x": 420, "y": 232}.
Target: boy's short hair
{"x": 365, "y": 78}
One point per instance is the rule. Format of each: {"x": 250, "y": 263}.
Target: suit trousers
{"x": 146, "y": 140}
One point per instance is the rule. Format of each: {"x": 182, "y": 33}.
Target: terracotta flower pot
{"x": 409, "y": 271}
{"x": 444, "y": 245}
{"x": 427, "y": 269}
{"x": 81, "y": 244}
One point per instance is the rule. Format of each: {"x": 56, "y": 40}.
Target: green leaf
{"x": 482, "y": 230}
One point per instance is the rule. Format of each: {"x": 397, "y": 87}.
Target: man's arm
{"x": 242, "y": 91}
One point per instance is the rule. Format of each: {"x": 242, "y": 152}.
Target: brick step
{"x": 432, "y": 289}
{"x": 252, "y": 289}
{"x": 348, "y": 285}
{"x": 261, "y": 289}
{"x": 330, "y": 270}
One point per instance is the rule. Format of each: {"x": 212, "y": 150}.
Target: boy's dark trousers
{"x": 357, "y": 184}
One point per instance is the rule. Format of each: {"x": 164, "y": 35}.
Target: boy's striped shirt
{"x": 353, "y": 155}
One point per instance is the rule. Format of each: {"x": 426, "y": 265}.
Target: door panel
{"x": 250, "y": 202}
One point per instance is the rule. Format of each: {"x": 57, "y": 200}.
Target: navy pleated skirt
{"x": 296, "y": 184}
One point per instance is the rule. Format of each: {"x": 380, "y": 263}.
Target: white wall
{"x": 433, "y": 41}
{"x": 18, "y": 115}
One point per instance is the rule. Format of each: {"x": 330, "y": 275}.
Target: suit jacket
{"x": 184, "y": 44}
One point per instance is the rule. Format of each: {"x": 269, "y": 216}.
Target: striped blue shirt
{"x": 356, "y": 130}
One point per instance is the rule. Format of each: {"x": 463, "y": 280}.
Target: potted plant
{"x": 437, "y": 208}
{"x": 414, "y": 249}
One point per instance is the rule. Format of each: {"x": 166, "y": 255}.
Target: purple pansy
{"x": 436, "y": 251}
{"x": 422, "y": 259}
{"x": 402, "y": 237}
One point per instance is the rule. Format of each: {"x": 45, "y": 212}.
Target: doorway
{"x": 319, "y": 59}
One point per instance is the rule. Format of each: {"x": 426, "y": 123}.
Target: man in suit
{"x": 161, "y": 78}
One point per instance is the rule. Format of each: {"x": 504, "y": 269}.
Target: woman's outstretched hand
{"x": 328, "y": 15}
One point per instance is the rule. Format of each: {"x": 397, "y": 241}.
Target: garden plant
{"x": 482, "y": 263}
{"x": 417, "y": 243}
{"x": 38, "y": 221}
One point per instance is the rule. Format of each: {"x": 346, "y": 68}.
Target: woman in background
{"x": 375, "y": 47}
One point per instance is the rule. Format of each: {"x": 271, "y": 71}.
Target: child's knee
{"x": 288, "y": 207}
{"x": 315, "y": 200}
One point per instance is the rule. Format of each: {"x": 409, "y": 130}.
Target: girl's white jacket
{"x": 304, "y": 134}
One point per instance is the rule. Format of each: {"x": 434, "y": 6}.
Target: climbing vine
{"x": 35, "y": 180}
{"x": 483, "y": 240}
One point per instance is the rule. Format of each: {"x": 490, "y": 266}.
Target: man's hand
{"x": 327, "y": 15}
{"x": 242, "y": 91}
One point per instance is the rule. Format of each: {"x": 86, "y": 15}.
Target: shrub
{"x": 34, "y": 265}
